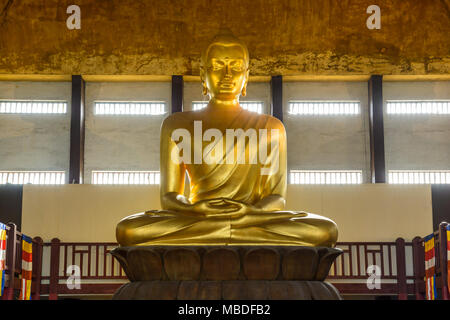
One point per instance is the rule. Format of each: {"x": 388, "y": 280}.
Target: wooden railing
{"x": 391, "y": 260}
{"x": 94, "y": 262}
{"x": 400, "y": 265}
{"x": 348, "y": 273}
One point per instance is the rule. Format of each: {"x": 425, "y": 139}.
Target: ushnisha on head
{"x": 224, "y": 67}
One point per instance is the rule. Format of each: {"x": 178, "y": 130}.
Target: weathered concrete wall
{"x": 415, "y": 142}
{"x": 327, "y": 142}
{"x": 35, "y": 141}
{"x": 123, "y": 142}
{"x": 283, "y": 36}
{"x": 256, "y": 91}
{"x": 259, "y": 91}
{"x": 192, "y": 91}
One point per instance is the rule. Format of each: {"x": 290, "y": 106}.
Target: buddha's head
{"x": 224, "y": 67}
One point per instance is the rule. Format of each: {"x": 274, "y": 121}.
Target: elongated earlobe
{"x": 244, "y": 91}
{"x": 204, "y": 89}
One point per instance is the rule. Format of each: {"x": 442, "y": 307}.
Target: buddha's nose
{"x": 227, "y": 71}
{"x": 228, "y": 75}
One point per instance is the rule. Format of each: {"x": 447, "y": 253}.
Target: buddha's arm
{"x": 273, "y": 202}
{"x": 172, "y": 173}
{"x": 275, "y": 191}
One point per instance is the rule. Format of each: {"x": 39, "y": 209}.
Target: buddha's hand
{"x": 269, "y": 204}
{"x": 233, "y": 208}
{"x": 215, "y": 208}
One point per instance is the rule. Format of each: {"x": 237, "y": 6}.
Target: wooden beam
{"x": 76, "y": 167}
{"x": 377, "y": 163}
{"x": 440, "y": 200}
{"x": 443, "y": 241}
{"x": 126, "y": 78}
{"x": 276, "y": 85}
{"x": 11, "y": 204}
{"x": 177, "y": 94}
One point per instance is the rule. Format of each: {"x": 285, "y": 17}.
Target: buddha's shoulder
{"x": 272, "y": 122}
{"x": 178, "y": 118}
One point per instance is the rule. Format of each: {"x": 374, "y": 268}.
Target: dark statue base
{"x": 226, "y": 272}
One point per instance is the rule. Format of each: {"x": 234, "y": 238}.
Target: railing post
{"x": 418, "y": 266}
{"x": 37, "y": 266}
{"x": 443, "y": 259}
{"x": 54, "y": 269}
{"x": 11, "y": 260}
{"x": 401, "y": 269}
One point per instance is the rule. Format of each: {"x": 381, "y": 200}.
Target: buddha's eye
{"x": 236, "y": 65}
{"x": 217, "y": 65}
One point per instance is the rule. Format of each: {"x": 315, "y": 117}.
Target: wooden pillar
{"x": 177, "y": 94}
{"x": 377, "y": 163}
{"x": 11, "y": 204}
{"x": 54, "y": 269}
{"x": 419, "y": 267}
{"x": 440, "y": 202}
{"x": 401, "y": 269}
{"x": 276, "y": 85}
{"x": 76, "y": 167}
{"x": 443, "y": 259}
{"x": 37, "y": 267}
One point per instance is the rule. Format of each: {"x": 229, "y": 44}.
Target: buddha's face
{"x": 225, "y": 73}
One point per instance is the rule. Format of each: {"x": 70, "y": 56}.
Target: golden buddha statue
{"x": 231, "y": 201}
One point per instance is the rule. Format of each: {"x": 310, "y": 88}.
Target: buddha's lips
{"x": 226, "y": 85}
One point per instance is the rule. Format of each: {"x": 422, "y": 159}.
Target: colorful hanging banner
{"x": 2, "y": 257}
{"x": 430, "y": 263}
{"x": 448, "y": 256}
{"x": 27, "y": 267}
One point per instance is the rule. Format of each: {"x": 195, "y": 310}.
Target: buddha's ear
{"x": 244, "y": 89}
{"x": 202, "y": 74}
{"x": 203, "y": 80}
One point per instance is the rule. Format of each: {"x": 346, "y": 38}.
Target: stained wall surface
{"x": 123, "y": 142}
{"x": 327, "y": 142}
{"x": 283, "y": 36}
{"x": 35, "y": 141}
{"x": 417, "y": 141}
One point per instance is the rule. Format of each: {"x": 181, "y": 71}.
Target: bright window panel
{"x": 199, "y": 105}
{"x": 418, "y": 107}
{"x": 325, "y": 177}
{"x": 319, "y": 108}
{"x": 419, "y": 176}
{"x": 125, "y": 177}
{"x": 31, "y": 107}
{"x": 32, "y": 177}
{"x": 256, "y": 106}
{"x": 130, "y": 108}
